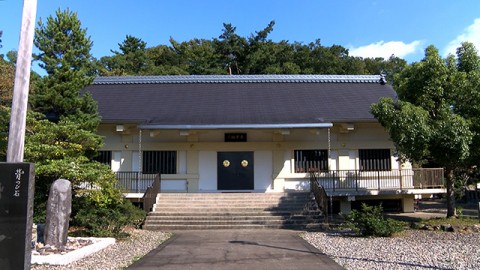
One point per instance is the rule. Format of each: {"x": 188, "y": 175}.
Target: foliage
{"x": 65, "y": 56}
{"x": 103, "y": 211}
{"x": 108, "y": 221}
{"x": 132, "y": 57}
{"x": 59, "y": 150}
{"x": 61, "y": 130}
{"x": 400, "y": 116}
{"x": 7, "y": 74}
{"x": 7, "y": 77}
{"x": 461, "y": 221}
{"x": 369, "y": 221}
{"x": 434, "y": 121}
{"x": 231, "y": 53}
{"x": 4, "y": 122}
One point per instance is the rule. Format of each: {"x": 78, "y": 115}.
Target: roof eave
{"x": 237, "y": 126}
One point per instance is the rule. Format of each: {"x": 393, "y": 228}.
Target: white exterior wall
{"x": 273, "y": 153}
{"x": 207, "y": 171}
{"x": 263, "y": 171}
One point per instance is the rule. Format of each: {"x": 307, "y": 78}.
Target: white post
{"x": 16, "y": 136}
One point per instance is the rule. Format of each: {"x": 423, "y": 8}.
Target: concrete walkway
{"x": 235, "y": 249}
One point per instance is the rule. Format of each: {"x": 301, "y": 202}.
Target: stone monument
{"x": 59, "y": 208}
{"x": 16, "y": 212}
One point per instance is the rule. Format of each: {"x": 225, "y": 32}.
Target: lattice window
{"x": 310, "y": 160}
{"x": 163, "y": 162}
{"x": 375, "y": 159}
{"x": 104, "y": 157}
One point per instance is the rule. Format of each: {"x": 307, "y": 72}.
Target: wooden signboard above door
{"x": 235, "y": 137}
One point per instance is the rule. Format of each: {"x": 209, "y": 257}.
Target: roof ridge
{"x": 172, "y": 79}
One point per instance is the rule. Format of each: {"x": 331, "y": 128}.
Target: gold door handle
{"x": 244, "y": 163}
{"x": 226, "y": 163}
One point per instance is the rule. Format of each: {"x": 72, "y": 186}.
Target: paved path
{"x": 235, "y": 249}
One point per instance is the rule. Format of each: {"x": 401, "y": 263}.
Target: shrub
{"x": 109, "y": 221}
{"x": 369, "y": 221}
{"x": 103, "y": 211}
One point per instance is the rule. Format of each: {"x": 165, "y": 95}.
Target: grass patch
{"x": 463, "y": 221}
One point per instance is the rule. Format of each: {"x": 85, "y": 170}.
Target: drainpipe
{"x": 140, "y": 150}
{"x": 328, "y": 153}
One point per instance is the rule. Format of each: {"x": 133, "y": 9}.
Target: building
{"x": 256, "y": 133}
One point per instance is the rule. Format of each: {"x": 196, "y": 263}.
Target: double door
{"x": 235, "y": 171}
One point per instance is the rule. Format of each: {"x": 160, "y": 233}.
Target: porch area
{"x": 375, "y": 182}
{"x": 333, "y": 181}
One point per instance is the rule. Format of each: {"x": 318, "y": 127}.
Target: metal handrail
{"x": 134, "y": 182}
{"x": 150, "y": 195}
{"x": 319, "y": 194}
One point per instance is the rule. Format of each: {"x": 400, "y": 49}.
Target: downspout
{"x": 328, "y": 150}
{"x": 140, "y": 151}
{"x": 139, "y": 174}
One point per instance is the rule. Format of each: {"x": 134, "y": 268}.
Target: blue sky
{"x": 367, "y": 28}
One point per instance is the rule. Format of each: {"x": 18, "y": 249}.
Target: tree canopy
{"x": 231, "y": 53}
{"x": 435, "y": 119}
{"x": 61, "y": 134}
{"x": 65, "y": 55}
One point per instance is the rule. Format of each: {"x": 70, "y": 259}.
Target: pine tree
{"x": 65, "y": 55}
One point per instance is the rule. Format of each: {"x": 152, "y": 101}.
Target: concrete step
{"x": 239, "y": 217}
{"x": 176, "y": 211}
{"x": 235, "y": 226}
{"x": 186, "y": 212}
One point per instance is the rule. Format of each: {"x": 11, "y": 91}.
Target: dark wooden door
{"x": 235, "y": 171}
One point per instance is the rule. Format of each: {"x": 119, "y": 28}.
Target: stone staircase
{"x": 193, "y": 211}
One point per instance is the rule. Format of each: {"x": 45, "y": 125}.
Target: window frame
{"x": 370, "y": 160}
{"x": 159, "y": 162}
{"x": 104, "y": 157}
{"x": 319, "y": 158}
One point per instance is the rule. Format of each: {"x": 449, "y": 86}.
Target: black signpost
{"x": 16, "y": 210}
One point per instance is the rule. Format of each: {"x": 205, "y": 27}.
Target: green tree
{"x": 424, "y": 124}
{"x": 132, "y": 57}
{"x": 163, "y": 60}
{"x": 198, "y": 56}
{"x": 7, "y": 77}
{"x": 59, "y": 150}
{"x": 65, "y": 55}
{"x": 467, "y": 100}
{"x": 61, "y": 134}
{"x": 68, "y": 137}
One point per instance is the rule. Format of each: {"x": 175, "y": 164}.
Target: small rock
{"x": 446, "y": 227}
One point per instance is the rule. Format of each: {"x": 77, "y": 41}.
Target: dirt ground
{"x": 439, "y": 206}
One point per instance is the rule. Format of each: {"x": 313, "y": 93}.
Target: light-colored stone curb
{"x": 67, "y": 258}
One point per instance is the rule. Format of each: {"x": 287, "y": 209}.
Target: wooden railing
{"x": 423, "y": 178}
{"x": 150, "y": 196}
{"x": 380, "y": 180}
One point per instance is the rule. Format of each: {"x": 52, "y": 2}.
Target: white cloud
{"x": 470, "y": 34}
{"x": 386, "y": 49}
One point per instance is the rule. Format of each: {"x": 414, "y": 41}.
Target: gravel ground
{"x": 117, "y": 256}
{"x": 415, "y": 249}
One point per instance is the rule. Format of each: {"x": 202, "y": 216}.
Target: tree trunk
{"x": 451, "y": 210}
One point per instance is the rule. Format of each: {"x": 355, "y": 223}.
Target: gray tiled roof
{"x": 239, "y": 79}
{"x": 237, "y": 100}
